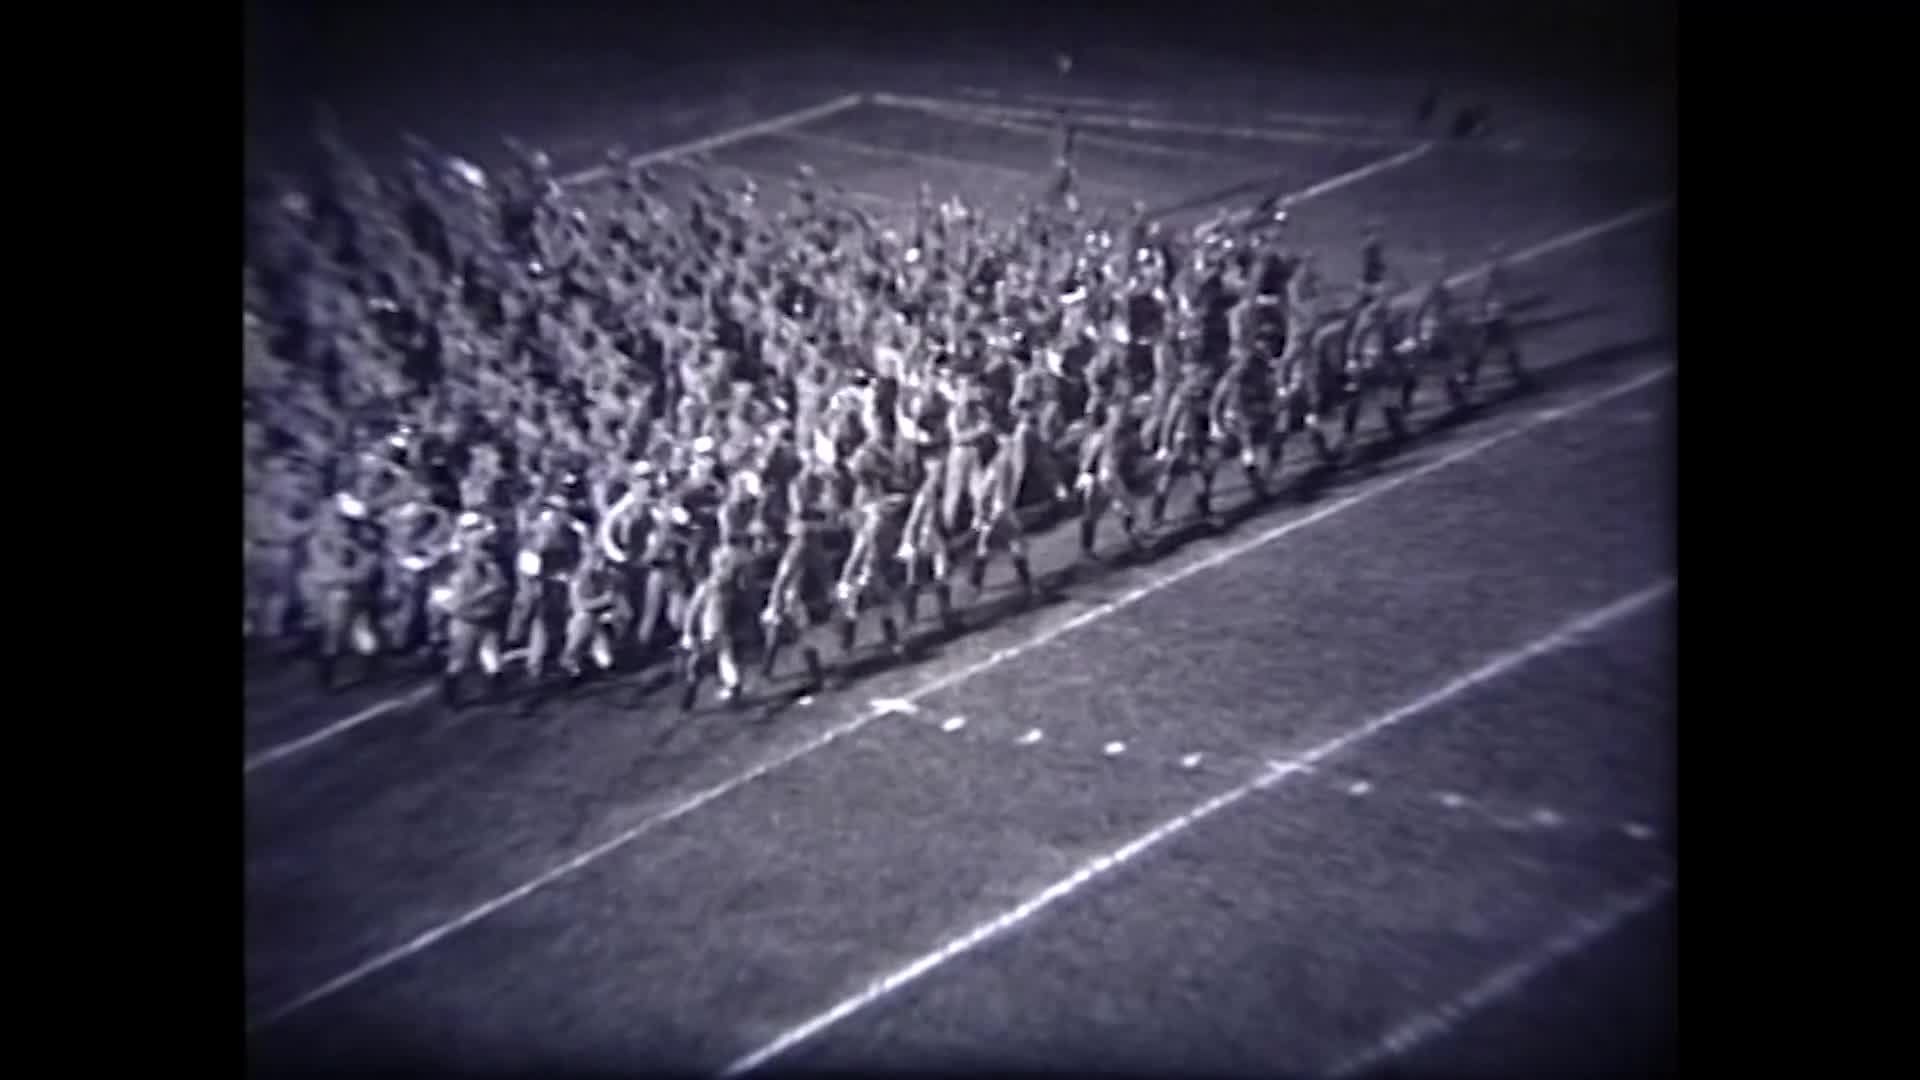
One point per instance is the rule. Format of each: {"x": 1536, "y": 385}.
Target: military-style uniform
{"x": 973, "y": 442}
{"x": 346, "y": 569}
{"x": 1106, "y": 377}
{"x": 1373, "y": 267}
{"x": 1039, "y": 422}
{"x": 708, "y": 633}
{"x": 419, "y": 535}
{"x": 551, "y": 548}
{"x": 1108, "y": 464}
{"x": 1433, "y": 313}
{"x": 875, "y": 519}
{"x": 803, "y": 570}
{"x": 664, "y": 559}
{"x": 926, "y": 549}
{"x": 1185, "y": 443}
{"x": 1376, "y": 364}
{"x": 474, "y": 599}
{"x": 1493, "y": 329}
{"x": 1326, "y": 383}
{"x": 597, "y": 610}
{"x": 1242, "y": 417}
{"x": 1303, "y": 308}
{"x": 1369, "y": 345}
{"x": 621, "y": 524}
{"x": 1434, "y": 341}
{"x": 737, "y": 513}
{"x": 924, "y": 437}
{"x": 997, "y": 507}
{"x": 776, "y": 469}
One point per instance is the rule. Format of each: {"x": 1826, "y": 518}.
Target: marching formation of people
{"x": 502, "y": 424}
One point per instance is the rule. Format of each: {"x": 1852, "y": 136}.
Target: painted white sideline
{"x": 1502, "y": 983}
{"x": 987, "y": 93}
{"x": 1276, "y": 772}
{"x": 1134, "y": 123}
{"x": 291, "y": 747}
{"x": 719, "y": 139}
{"x": 971, "y": 115}
{"x": 1148, "y": 108}
{"x": 1335, "y": 120}
{"x": 1331, "y": 184}
{"x": 855, "y": 146}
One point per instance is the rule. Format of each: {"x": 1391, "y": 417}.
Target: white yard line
{"x": 722, "y": 138}
{"x": 1135, "y": 123}
{"x": 855, "y": 146}
{"x": 1334, "y": 120}
{"x": 1448, "y": 1016}
{"x": 1275, "y": 773}
{"x": 288, "y": 749}
{"x": 1332, "y": 183}
{"x": 339, "y": 727}
{"x": 428, "y": 938}
{"x": 984, "y": 93}
{"x": 1112, "y": 142}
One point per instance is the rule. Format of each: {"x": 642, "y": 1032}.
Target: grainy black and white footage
{"x": 866, "y": 538}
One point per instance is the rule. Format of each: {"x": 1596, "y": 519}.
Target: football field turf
{"x": 1377, "y": 773}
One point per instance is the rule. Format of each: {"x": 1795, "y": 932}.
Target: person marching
{"x": 1110, "y": 463}
{"x": 1184, "y": 445}
{"x": 708, "y": 633}
{"x": 1492, "y": 326}
{"x": 474, "y": 599}
{"x": 926, "y": 548}
{"x": 804, "y": 570}
{"x": 1373, "y": 263}
{"x": 1374, "y": 362}
{"x": 597, "y": 610}
{"x": 1241, "y": 417}
{"x": 552, "y": 545}
{"x": 876, "y": 508}
{"x": 346, "y": 570}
